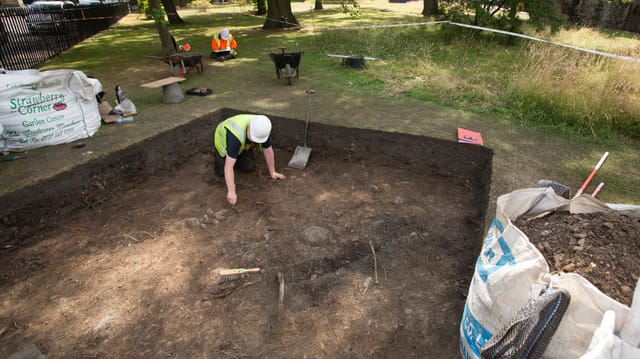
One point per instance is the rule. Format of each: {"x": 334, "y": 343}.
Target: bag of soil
{"x": 509, "y": 267}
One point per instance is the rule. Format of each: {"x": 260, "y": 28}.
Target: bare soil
{"x": 375, "y": 242}
{"x": 602, "y": 247}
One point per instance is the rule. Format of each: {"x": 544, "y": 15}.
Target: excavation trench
{"x": 117, "y": 257}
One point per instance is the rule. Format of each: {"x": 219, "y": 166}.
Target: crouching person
{"x": 234, "y": 140}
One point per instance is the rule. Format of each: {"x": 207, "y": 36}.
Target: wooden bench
{"x": 170, "y": 89}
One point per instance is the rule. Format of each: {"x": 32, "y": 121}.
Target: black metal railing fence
{"x": 28, "y": 37}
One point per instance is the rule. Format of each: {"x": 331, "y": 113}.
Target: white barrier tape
{"x": 385, "y": 26}
{"x": 595, "y": 52}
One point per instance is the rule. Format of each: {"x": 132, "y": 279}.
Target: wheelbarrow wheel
{"x": 287, "y": 69}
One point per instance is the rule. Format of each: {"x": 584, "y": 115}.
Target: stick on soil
{"x": 281, "y": 297}
{"x": 375, "y": 263}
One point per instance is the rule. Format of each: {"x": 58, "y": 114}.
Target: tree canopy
{"x": 502, "y": 14}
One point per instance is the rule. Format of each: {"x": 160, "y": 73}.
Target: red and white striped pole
{"x": 597, "y": 190}
{"x": 592, "y": 174}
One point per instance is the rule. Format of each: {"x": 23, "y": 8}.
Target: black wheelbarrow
{"x": 287, "y": 63}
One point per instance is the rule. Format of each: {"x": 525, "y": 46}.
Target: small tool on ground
{"x": 348, "y": 56}
{"x": 354, "y": 61}
{"x": 301, "y": 155}
{"x": 227, "y": 275}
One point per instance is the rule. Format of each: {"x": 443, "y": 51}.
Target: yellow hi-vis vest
{"x": 237, "y": 125}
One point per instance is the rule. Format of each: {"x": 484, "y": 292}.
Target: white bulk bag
{"x": 46, "y": 108}
{"x": 510, "y": 270}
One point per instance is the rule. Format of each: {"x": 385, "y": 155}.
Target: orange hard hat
{"x": 186, "y": 47}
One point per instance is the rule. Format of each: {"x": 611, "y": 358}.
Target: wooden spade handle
{"x": 238, "y": 271}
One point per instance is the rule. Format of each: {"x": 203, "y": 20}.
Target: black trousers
{"x": 246, "y": 162}
{"x": 224, "y": 55}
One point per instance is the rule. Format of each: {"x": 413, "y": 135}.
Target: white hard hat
{"x": 259, "y": 129}
{"x": 224, "y": 34}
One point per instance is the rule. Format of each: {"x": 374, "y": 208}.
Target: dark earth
{"x": 602, "y": 247}
{"x": 375, "y": 244}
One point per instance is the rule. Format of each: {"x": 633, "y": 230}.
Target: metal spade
{"x": 301, "y": 155}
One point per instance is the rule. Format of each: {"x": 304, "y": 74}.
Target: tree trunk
{"x": 430, "y": 8}
{"x": 161, "y": 25}
{"x": 632, "y": 20}
{"x": 165, "y": 39}
{"x": 172, "y": 13}
{"x": 318, "y": 5}
{"x": 261, "y": 7}
{"x": 279, "y": 15}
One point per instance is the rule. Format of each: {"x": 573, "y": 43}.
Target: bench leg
{"x": 172, "y": 93}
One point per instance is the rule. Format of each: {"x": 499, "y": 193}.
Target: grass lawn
{"x": 539, "y": 107}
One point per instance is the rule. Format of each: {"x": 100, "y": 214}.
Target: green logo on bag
{"x": 35, "y": 104}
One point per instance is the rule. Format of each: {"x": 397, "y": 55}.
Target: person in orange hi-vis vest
{"x": 224, "y": 46}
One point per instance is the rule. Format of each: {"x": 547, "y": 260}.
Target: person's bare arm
{"x": 269, "y": 157}
{"x": 230, "y": 181}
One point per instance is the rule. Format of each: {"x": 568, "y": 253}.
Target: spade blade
{"x": 300, "y": 157}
